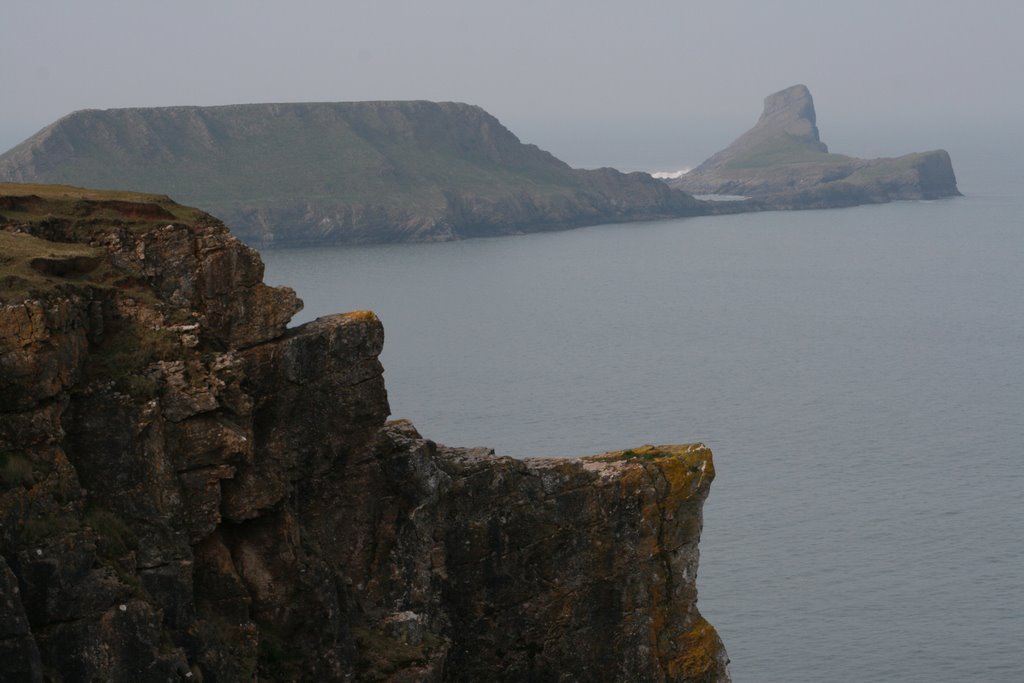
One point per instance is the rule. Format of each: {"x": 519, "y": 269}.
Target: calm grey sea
{"x": 859, "y": 374}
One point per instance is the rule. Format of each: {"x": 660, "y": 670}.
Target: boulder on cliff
{"x": 782, "y": 163}
{"x": 191, "y": 491}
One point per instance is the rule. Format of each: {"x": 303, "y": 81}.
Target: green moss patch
{"x": 116, "y": 539}
{"x": 783, "y": 151}
{"x": 29, "y": 265}
{"x": 885, "y": 168}
{"x": 21, "y": 202}
{"x": 278, "y": 659}
{"x": 127, "y": 351}
{"x": 647, "y": 453}
{"x": 380, "y": 655}
{"x": 37, "y": 529}
{"x": 15, "y": 470}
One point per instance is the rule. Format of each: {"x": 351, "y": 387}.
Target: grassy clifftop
{"x": 31, "y": 265}
{"x": 338, "y": 172}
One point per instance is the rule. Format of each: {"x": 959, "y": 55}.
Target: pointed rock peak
{"x": 794, "y": 101}
{"x": 790, "y": 111}
{"x": 787, "y": 123}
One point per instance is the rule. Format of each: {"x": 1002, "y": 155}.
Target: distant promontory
{"x": 340, "y": 173}
{"x": 781, "y": 163}
{"x": 417, "y": 171}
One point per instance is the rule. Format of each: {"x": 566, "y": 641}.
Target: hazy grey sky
{"x": 598, "y": 82}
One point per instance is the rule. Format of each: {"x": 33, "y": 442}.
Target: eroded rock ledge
{"x": 189, "y": 491}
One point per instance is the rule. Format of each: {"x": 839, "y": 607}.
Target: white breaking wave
{"x": 670, "y": 175}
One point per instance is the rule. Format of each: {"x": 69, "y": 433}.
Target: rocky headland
{"x": 340, "y": 173}
{"x": 190, "y": 490}
{"x": 781, "y": 163}
{"x": 416, "y": 171}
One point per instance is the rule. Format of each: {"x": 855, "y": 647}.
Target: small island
{"x": 781, "y": 163}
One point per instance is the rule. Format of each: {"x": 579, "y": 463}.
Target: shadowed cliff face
{"x": 781, "y": 163}
{"x": 190, "y": 491}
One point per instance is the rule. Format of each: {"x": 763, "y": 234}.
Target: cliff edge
{"x": 782, "y": 163}
{"x": 189, "y": 490}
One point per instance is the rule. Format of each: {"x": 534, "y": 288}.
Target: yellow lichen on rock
{"x": 688, "y": 473}
{"x": 364, "y": 316}
{"x": 700, "y": 653}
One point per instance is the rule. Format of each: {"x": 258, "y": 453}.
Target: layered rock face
{"x": 340, "y": 173}
{"x": 191, "y": 491}
{"x": 782, "y": 163}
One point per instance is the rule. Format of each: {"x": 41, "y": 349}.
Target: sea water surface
{"x": 858, "y": 373}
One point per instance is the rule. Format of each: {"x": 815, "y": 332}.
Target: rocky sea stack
{"x": 339, "y": 173}
{"x": 190, "y": 490}
{"x": 782, "y": 163}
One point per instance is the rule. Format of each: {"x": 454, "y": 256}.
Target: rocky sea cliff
{"x": 190, "y": 490}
